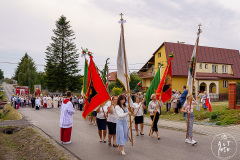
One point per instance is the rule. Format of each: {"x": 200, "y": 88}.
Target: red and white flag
{"x": 208, "y": 103}
{"x": 139, "y": 84}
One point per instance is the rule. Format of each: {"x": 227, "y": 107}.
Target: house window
{"x": 224, "y": 69}
{"x": 224, "y": 84}
{"x": 153, "y": 70}
{"x": 214, "y": 68}
{"x": 159, "y": 54}
{"x": 200, "y": 66}
{"x": 206, "y": 66}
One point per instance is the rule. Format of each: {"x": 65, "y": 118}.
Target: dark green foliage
{"x": 26, "y": 73}
{"x": 41, "y": 80}
{"x": 134, "y": 80}
{"x": 1, "y": 74}
{"x": 104, "y": 72}
{"x": 214, "y": 116}
{"x": 75, "y": 83}
{"x": 61, "y": 57}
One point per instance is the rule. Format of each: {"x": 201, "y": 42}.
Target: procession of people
{"x": 111, "y": 117}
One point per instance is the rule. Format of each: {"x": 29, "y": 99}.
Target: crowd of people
{"x": 112, "y": 115}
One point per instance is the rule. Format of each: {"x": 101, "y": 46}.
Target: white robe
{"x": 55, "y": 102}
{"x": 67, "y": 110}
{"x": 49, "y": 102}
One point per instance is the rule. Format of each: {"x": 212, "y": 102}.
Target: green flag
{"x": 153, "y": 86}
{"x": 85, "y": 77}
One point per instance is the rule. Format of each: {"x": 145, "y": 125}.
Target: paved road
{"x": 86, "y": 143}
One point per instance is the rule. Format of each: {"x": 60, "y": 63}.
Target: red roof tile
{"x": 112, "y": 76}
{"x": 183, "y": 54}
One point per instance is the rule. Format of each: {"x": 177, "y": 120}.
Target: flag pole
{"x": 158, "y": 102}
{"x": 194, "y": 68}
{"x": 126, "y": 75}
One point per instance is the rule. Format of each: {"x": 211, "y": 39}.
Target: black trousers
{"x": 15, "y": 104}
{"x": 80, "y": 107}
{"x": 155, "y": 127}
{"x": 33, "y": 104}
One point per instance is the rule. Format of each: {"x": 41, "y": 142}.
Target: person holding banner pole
{"x": 154, "y": 108}
{"x": 188, "y": 109}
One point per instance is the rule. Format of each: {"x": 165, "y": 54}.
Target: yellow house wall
{"x": 225, "y": 90}
{"x": 209, "y": 69}
{"x": 162, "y": 60}
{"x": 178, "y": 83}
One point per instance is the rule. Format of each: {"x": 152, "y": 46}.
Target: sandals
{"x": 115, "y": 145}
{"x": 159, "y": 138}
{"x": 141, "y": 133}
{"x": 122, "y": 153}
{"x": 109, "y": 143}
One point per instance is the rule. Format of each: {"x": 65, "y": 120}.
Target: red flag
{"x": 139, "y": 84}
{"x": 208, "y": 104}
{"x": 96, "y": 91}
{"x": 165, "y": 86}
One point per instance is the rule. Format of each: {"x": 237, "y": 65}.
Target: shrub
{"x": 214, "y": 116}
{"x": 117, "y": 91}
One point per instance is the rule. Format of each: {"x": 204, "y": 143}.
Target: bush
{"x": 111, "y": 86}
{"x": 214, "y": 116}
{"x": 117, "y": 91}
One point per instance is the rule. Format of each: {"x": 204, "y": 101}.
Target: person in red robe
{"x": 66, "y": 119}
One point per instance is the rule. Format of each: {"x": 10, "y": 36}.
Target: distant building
{"x": 215, "y": 67}
{"x": 112, "y": 77}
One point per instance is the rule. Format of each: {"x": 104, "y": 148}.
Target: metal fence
{"x": 238, "y": 94}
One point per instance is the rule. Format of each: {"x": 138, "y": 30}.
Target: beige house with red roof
{"x": 112, "y": 77}
{"x": 216, "y": 67}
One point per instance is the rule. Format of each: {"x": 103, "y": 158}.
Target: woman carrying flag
{"x": 137, "y": 109}
{"x": 112, "y": 121}
{"x": 189, "y": 110}
{"x": 121, "y": 131}
{"x": 154, "y": 107}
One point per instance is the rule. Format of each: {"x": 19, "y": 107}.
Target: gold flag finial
{"x": 121, "y": 16}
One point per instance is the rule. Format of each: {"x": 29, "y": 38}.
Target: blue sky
{"x": 26, "y": 26}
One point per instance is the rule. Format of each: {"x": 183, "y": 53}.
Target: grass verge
{"x": 9, "y": 113}
{"x": 220, "y": 115}
{"x": 28, "y": 144}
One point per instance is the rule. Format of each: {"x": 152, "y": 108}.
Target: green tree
{"x": 134, "y": 80}
{"x": 26, "y": 72}
{"x": 104, "y": 72}
{"x": 1, "y": 74}
{"x": 61, "y": 57}
{"x": 15, "y": 76}
{"x": 75, "y": 83}
{"x": 41, "y": 80}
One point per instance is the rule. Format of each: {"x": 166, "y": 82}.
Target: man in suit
{"x": 183, "y": 98}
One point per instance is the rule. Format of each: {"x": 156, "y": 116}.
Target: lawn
{"x": 9, "y": 113}
{"x": 27, "y": 144}
{"x": 220, "y": 115}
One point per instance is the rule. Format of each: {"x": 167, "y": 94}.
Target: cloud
{"x": 27, "y": 27}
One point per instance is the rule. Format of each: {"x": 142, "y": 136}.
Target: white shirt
{"x": 100, "y": 114}
{"x": 80, "y": 101}
{"x": 153, "y": 105}
{"x": 67, "y": 110}
{"x": 112, "y": 117}
{"x": 138, "y": 110}
{"x": 120, "y": 112}
{"x": 187, "y": 106}
{"x": 44, "y": 99}
{"x": 37, "y": 102}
